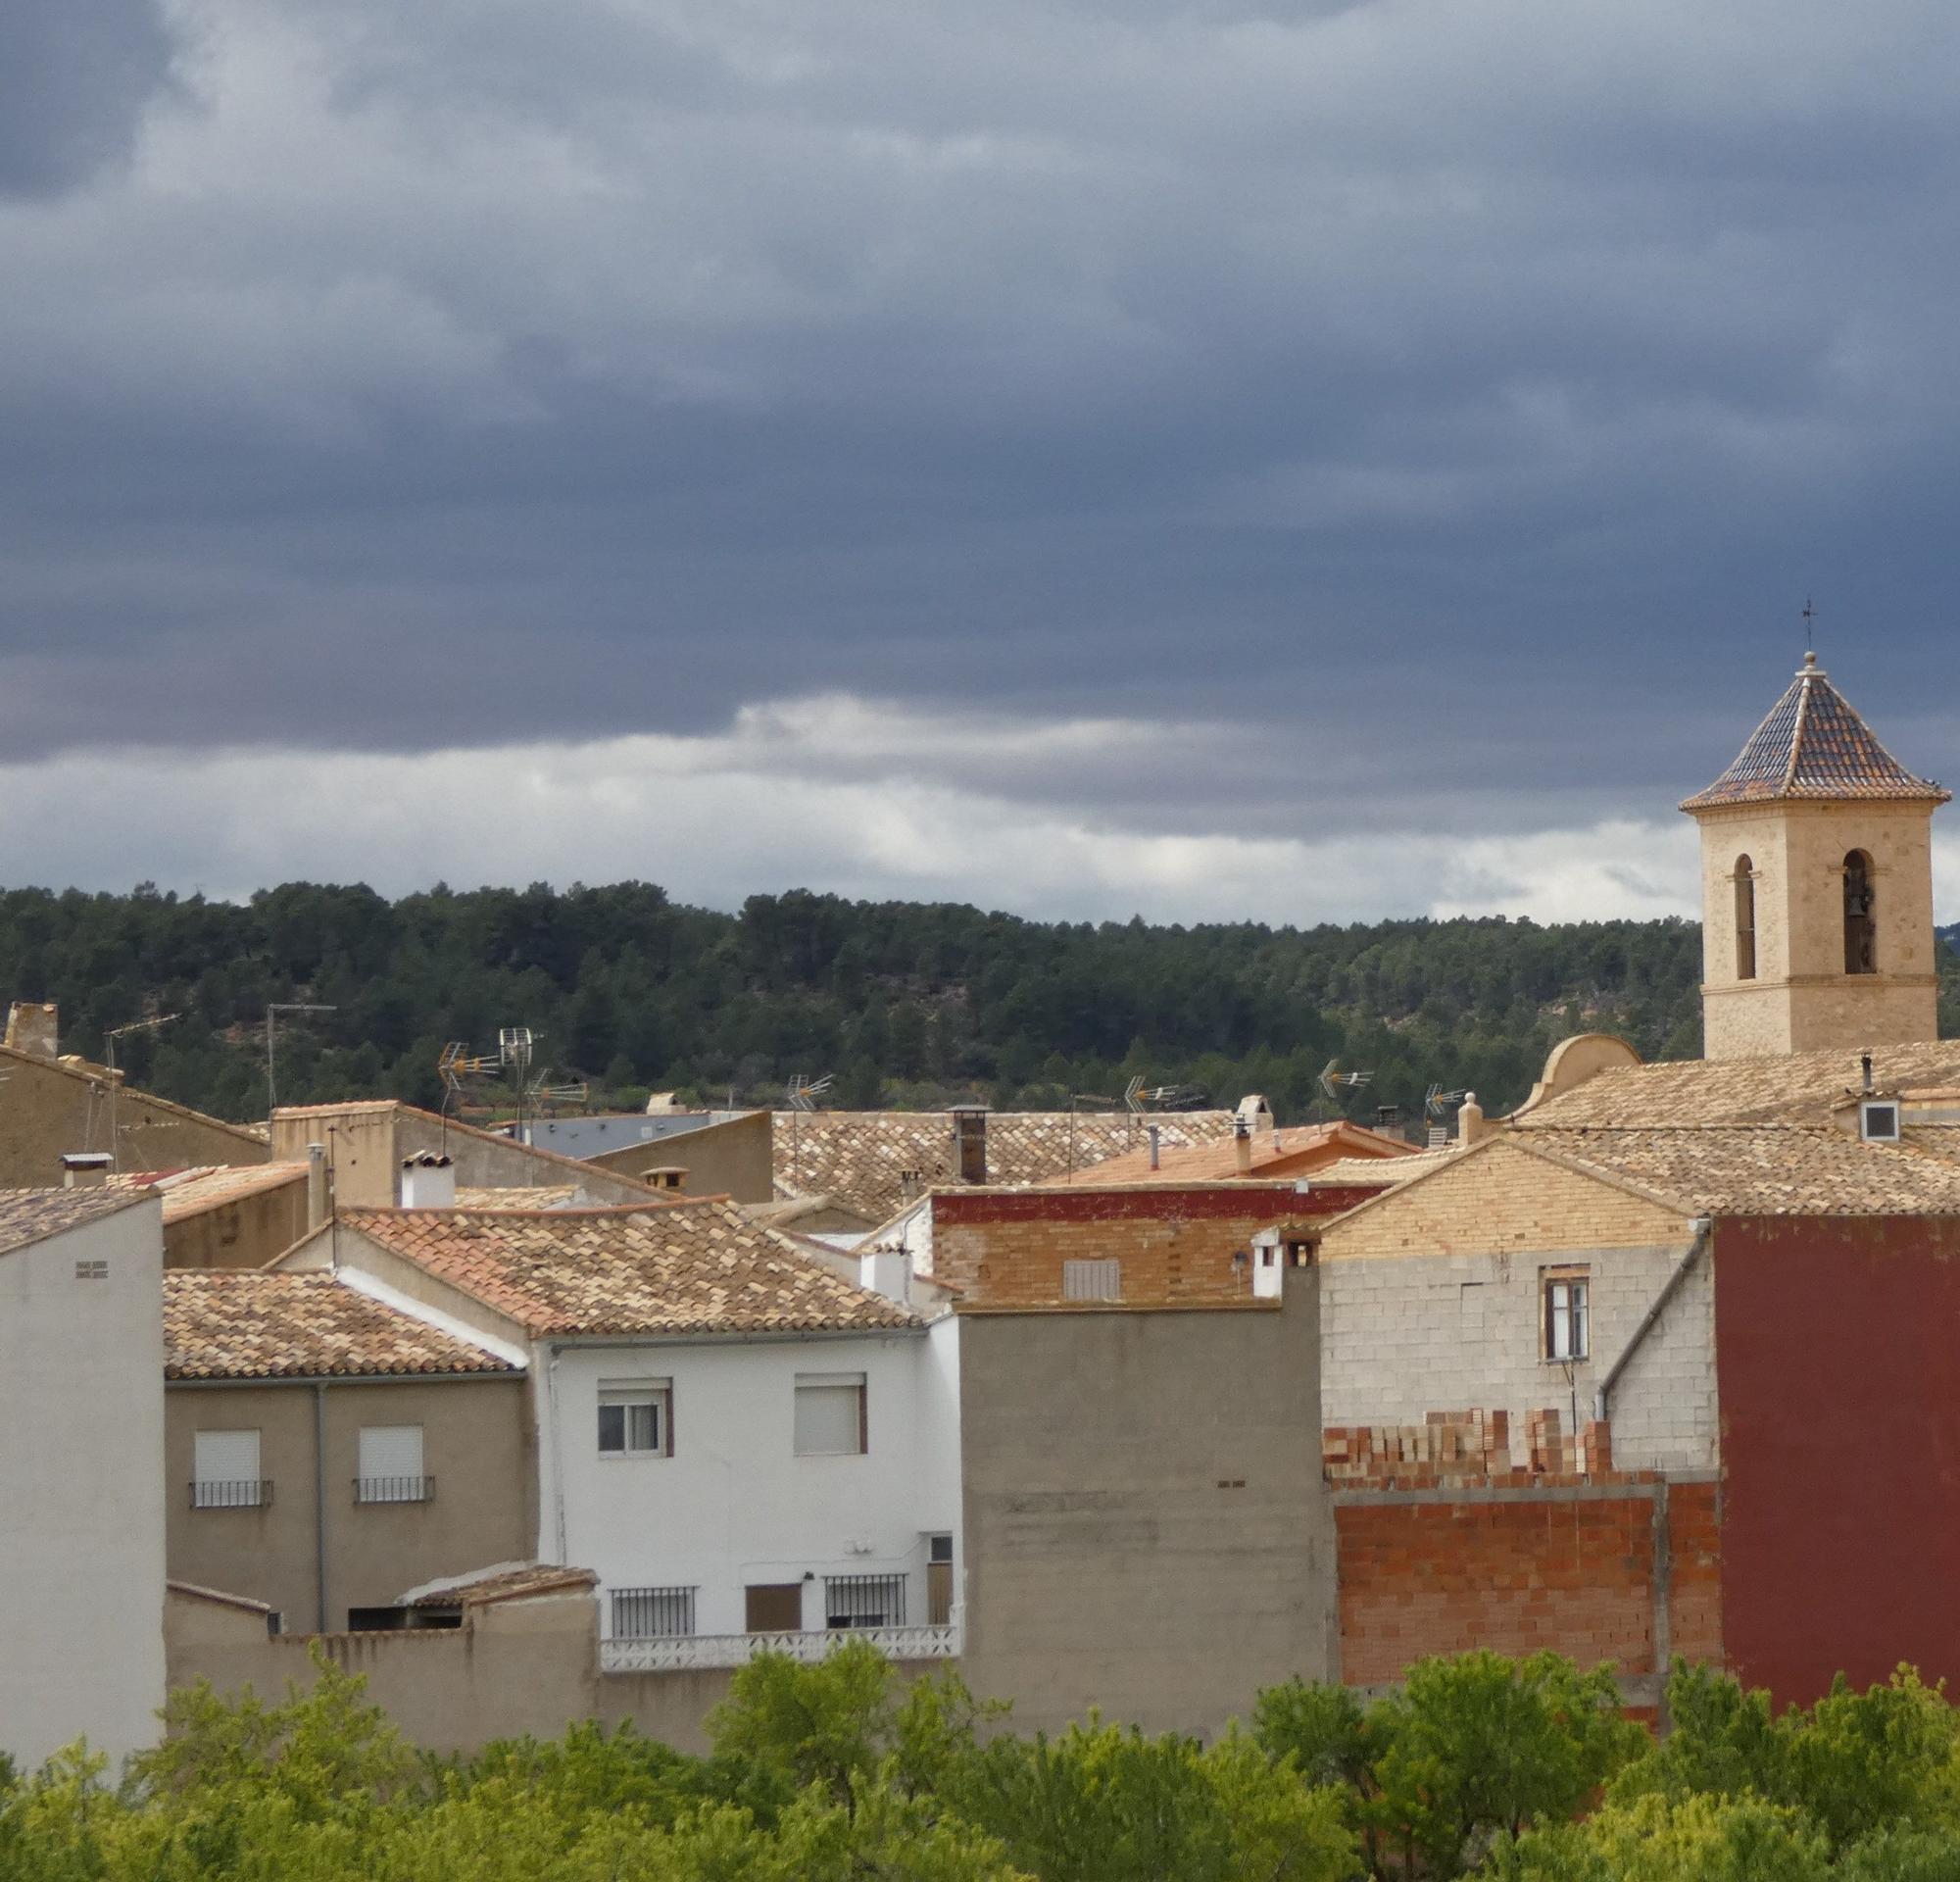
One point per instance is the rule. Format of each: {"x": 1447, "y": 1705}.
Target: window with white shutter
{"x": 225, "y": 1471}
{"x": 636, "y": 1418}
{"x": 391, "y": 1465}
{"x": 830, "y": 1415}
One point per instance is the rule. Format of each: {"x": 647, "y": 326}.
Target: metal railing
{"x": 232, "y": 1493}
{"x": 681, "y": 1652}
{"x": 394, "y": 1489}
{"x": 652, "y": 1613}
{"x": 863, "y": 1602}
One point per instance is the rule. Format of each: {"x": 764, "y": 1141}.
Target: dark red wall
{"x": 1837, "y": 1369}
{"x": 1147, "y": 1202}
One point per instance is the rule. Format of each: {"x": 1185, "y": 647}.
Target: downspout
{"x": 1703, "y": 1227}
{"x": 556, "y": 1452}
{"x": 319, "y": 1499}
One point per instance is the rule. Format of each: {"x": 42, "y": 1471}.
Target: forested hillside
{"x": 908, "y": 1004}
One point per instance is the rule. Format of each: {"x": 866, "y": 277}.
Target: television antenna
{"x": 271, "y": 1013}
{"x": 150, "y": 1023}
{"x": 802, "y": 1093}
{"x": 1437, "y": 1101}
{"x": 1333, "y": 1081}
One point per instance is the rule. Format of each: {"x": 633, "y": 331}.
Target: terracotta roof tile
{"x": 225, "y": 1323}
{"x": 1379, "y": 1173}
{"x": 1797, "y": 1088}
{"x": 1813, "y": 745}
{"x": 688, "y": 1267}
{"x": 502, "y": 1584}
{"x": 862, "y": 1159}
{"x": 190, "y": 1192}
{"x": 1308, "y": 1148}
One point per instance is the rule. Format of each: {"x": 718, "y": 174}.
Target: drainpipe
{"x": 1703, "y": 1227}
{"x": 319, "y": 1499}
{"x": 556, "y": 1452}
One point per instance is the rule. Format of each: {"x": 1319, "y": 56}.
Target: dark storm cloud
{"x": 1440, "y": 411}
{"x": 73, "y": 82}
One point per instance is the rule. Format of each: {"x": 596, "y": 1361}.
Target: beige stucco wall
{"x": 82, "y": 1488}
{"x": 47, "y": 1110}
{"x": 1146, "y": 1526}
{"x": 735, "y": 1158}
{"x": 1802, "y": 998}
{"x": 476, "y": 1442}
{"x": 247, "y": 1233}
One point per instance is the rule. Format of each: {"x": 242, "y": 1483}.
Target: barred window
{"x": 652, "y": 1613}
{"x": 864, "y": 1601}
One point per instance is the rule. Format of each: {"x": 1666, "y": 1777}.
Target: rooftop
{"x": 33, "y": 1214}
{"x": 191, "y": 1192}
{"x": 1761, "y": 1169}
{"x": 1813, "y": 745}
{"x": 225, "y": 1323}
{"x": 1309, "y": 1148}
{"x": 872, "y": 1161}
{"x": 594, "y": 1136}
{"x": 686, "y": 1266}
{"x": 1379, "y": 1173}
{"x": 1797, "y": 1088}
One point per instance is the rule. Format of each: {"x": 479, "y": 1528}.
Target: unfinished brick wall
{"x": 1464, "y": 1449}
{"x": 1176, "y": 1245}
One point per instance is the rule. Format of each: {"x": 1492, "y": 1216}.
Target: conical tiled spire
{"x": 1813, "y": 745}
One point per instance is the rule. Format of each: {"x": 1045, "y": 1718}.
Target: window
{"x": 772, "y": 1607}
{"x": 1860, "y": 931}
{"x": 830, "y": 1414}
{"x": 652, "y": 1613}
{"x": 391, "y": 1465}
{"x": 863, "y": 1601}
{"x": 1567, "y": 1315}
{"x": 1091, "y": 1280}
{"x": 938, "y": 1581}
{"x": 1746, "y": 919}
{"x": 636, "y": 1418}
{"x": 225, "y": 1471}
{"x": 1878, "y": 1121}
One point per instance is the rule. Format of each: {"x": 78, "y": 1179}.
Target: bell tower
{"x": 1816, "y": 886}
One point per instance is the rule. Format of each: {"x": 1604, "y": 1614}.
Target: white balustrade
{"x": 675, "y": 1653}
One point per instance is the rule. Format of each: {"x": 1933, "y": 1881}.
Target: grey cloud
{"x": 75, "y": 80}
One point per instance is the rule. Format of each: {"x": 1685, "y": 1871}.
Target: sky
{"x": 1295, "y": 461}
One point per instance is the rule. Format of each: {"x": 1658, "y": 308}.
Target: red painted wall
{"x": 1838, "y": 1369}
{"x": 1153, "y": 1203}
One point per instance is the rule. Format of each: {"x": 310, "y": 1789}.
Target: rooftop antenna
{"x": 802, "y": 1096}
{"x": 458, "y": 1069}
{"x": 150, "y": 1024}
{"x": 1333, "y": 1081}
{"x": 271, "y": 1081}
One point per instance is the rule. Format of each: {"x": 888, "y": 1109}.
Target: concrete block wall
{"x": 1410, "y": 1335}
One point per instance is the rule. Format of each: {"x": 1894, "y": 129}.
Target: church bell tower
{"x": 1816, "y": 886}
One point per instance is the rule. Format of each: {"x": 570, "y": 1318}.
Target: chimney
{"x": 316, "y": 1185}
{"x": 1152, "y": 1131}
{"x": 1469, "y": 1121}
{"x": 429, "y": 1181}
{"x": 884, "y": 1271}
{"x": 84, "y": 1169}
{"x": 1865, "y": 1062}
{"x": 31, "y": 1027}
{"x": 969, "y": 1142}
{"x": 665, "y": 1176}
{"x": 1242, "y": 1144}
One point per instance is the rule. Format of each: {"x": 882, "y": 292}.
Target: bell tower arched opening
{"x": 1861, "y": 936}
{"x": 1746, "y": 919}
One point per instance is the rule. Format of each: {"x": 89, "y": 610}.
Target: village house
{"x": 706, "y": 1153}
{"x": 1659, "y": 1368}
{"x": 326, "y": 1451}
{"x": 81, "y": 1473}
{"x": 741, "y": 1445}
{"x": 240, "y": 1216}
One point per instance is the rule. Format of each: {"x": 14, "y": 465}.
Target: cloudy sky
{"x": 1303, "y": 460}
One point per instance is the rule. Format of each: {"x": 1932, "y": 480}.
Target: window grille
{"x": 864, "y": 1601}
{"x": 230, "y": 1493}
{"x": 1091, "y": 1280}
{"x": 394, "y": 1489}
{"x": 652, "y": 1613}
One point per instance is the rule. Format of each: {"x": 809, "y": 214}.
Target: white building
{"x": 81, "y": 1470}
{"x": 739, "y": 1442}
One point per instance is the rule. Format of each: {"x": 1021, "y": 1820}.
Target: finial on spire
{"x": 1809, "y": 634}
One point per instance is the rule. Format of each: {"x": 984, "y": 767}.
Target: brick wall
{"x": 1175, "y": 1244}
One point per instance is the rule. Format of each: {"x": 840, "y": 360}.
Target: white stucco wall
{"x": 82, "y": 1488}
{"x": 1405, "y": 1335}
{"x": 734, "y": 1505}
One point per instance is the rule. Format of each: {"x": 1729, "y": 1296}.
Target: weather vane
{"x": 1809, "y": 627}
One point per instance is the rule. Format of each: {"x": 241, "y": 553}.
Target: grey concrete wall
{"x": 1409, "y": 1334}
{"x": 476, "y": 1442}
{"x": 1146, "y": 1526}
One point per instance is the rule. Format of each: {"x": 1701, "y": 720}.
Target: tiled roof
{"x": 1797, "y": 1088}
{"x": 225, "y": 1323}
{"x": 1761, "y": 1169}
{"x": 33, "y": 1214}
{"x": 862, "y": 1158}
{"x": 688, "y": 1267}
{"x": 1218, "y": 1159}
{"x": 190, "y": 1192}
{"x": 537, "y": 1196}
{"x": 1379, "y": 1173}
{"x": 502, "y": 1584}
{"x": 1813, "y": 745}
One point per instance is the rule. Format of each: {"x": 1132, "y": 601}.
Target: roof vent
{"x": 1878, "y": 1120}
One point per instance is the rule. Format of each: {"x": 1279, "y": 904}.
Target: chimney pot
{"x": 316, "y": 1185}
{"x": 1242, "y": 1145}
{"x": 1152, "y": 1131}
{"x": 969, "y": 1142}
